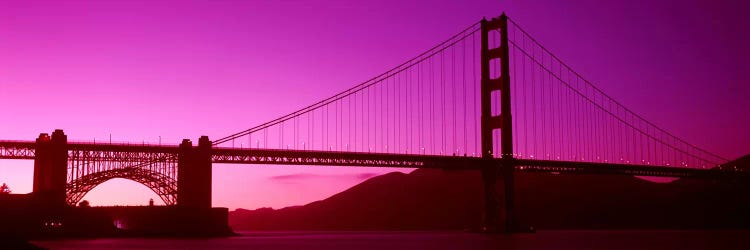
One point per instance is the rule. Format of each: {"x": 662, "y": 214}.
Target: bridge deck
{"x": 145, "y": 153}
{"x": 300, "y": 157}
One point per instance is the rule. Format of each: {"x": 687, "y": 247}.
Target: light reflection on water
{"x": 431, "y": 240}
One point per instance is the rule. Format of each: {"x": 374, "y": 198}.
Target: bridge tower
{"x": 194, "y": 174}
{"x": 503, "y": 122}
{"x": 184, "y": 174}
{"x": 50, "y": 169}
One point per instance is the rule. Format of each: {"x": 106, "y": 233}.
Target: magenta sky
{"x": 179, "y": 69}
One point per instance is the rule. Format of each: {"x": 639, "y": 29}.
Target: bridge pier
{"x": 50, "y": 169}
{"x": 194, "y": 174}
{"x": 184, "y": 175}
{"x": 203, "y": 167}
{"x": 499, "y": 218}
{"x": 42, "y": 166}
{"x": 489, "y": 180}
{"x": 507, "y": 173}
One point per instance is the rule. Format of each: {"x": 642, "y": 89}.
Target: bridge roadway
{"x": 145, "y": 153}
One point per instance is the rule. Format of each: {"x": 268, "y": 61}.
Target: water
{"x": 431, "y": 240}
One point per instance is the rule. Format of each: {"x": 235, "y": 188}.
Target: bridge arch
{"x": 164, "y": 186}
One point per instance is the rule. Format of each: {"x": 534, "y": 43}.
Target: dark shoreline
{"x": 22, "y": 218}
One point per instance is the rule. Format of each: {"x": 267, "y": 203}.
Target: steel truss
{"x": 17, "y": 150}
{"x": 89, "y": 166}
{"x": 163, "y": 185}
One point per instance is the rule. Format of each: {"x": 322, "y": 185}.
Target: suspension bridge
{"x": 490, "y": 98}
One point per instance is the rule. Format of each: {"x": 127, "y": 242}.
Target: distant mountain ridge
{"x": 742, "y": 163}
{"x": 452, "y": 200}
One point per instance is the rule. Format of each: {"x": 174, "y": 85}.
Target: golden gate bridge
{"x": 490, "y": 98}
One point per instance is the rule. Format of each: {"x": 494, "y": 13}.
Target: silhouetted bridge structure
{"x": 449, "y": 108}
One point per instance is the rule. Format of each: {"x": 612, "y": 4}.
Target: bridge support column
{"x": 42, "y": 167}
{"x": 493, "y": 222}
{"x": 59, "y": 156}
{"x": 203, "y": 170}
{"x": 184, "y": 174}
{"x": 51, "y": 169}
{"x": 489, "y": 180}
{"x": 503, "y": 122}
{"x": 194, "y": 174}
{"x": 508, "y": 175}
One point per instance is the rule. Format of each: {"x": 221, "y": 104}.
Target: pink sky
{"x": 180, "y": 69}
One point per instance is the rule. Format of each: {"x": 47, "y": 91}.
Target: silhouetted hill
{"x": 439, "y": 200}
{"x": 742, "y": 163}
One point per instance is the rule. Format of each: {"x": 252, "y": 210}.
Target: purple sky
{"x": 181, "y": 69}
